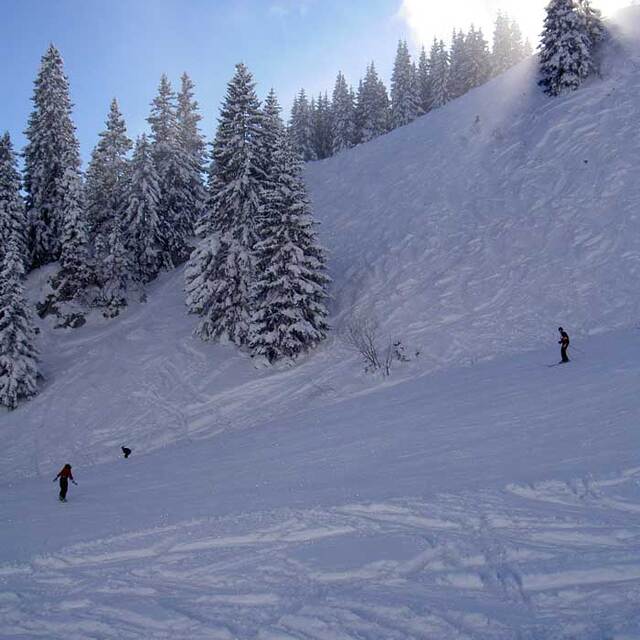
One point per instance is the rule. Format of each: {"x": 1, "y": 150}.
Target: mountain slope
{"x": 482, "y": 226}
{"x": 480, "y": 493}
{"x": 473, "y": 232}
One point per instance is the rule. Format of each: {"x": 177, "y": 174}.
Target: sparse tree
{"x": 361, "y": 335}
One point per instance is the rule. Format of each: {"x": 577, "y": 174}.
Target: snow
{"x": 477, "y": 493}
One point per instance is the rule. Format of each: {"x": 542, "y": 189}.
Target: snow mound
{"x": 481, "y": 227}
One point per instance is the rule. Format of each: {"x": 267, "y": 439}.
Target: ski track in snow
{"x": 556, "y": 560}
{"x": 466, "y": 240}
{"x": 477, "y": 494}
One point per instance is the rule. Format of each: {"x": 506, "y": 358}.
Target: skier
{"x": 126, "y": 451}
{"x": 65, "y": 475}
{"x": 564, "y": 344}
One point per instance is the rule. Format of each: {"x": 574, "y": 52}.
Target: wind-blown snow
{"x": 476, "y": 228}
{"x": 466, "y": 498}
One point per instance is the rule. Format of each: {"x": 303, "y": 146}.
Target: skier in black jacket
{"x": 564, "y": 344}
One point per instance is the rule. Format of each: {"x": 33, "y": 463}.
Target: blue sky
{"x": 120, "y": 48}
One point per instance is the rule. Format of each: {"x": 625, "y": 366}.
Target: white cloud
{"x": 429, "y": 18}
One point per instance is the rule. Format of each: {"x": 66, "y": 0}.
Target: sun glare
{"x": 433, "y": 18}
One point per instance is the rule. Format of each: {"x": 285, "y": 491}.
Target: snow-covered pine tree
{"x": 458, "y": 62}
{"x": 52, "y": 149}
{"x": 439, "y": 64}
{"x": 18, "y": 353}
{"x": 517, "y": 43}
{"x": 405, "y": 102}
{"x": 477, "y": 67}
{"x": 143, "y": 235}
{"x": 105, "y": 182}
{"x": 174, "y": 169}
{"x": 501, "y": 55}
{"x": 290, "y": 291}
{"x": 12, "y": 216}
{"x": 424, "y": 81}
{"x": 372, "y": 113}
{"x": 301, "y": 127}
{"x": 73, "y": 281}
{"x": 595, "y": 25}
{"x": 343, "y": 116}
{"x": 272, "y": 130}
{"x": 116, "y": 271}
{"x": 322, "y": 127}
{"x": 193, "y": 144}
{"x": 565, "y": 48}
{"x": 221, "y": 271}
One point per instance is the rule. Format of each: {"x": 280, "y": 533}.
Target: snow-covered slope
{"x": 480, "y": 226}
{"x": 473, "y": 232}
{"x": 493, "y": 501}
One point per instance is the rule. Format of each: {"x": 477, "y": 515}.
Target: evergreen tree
{"x": 12, "y": 216}
{"x": 517, "y": 44}
{"x": 289, "y": 295}
{"x": 192, "y": 143}
{"x": 272, "y": 130}
{"x": 405, "y": 102}
{"x": 51, "y": 150}
{"x": 372, "y": 112}
{"x": 105, "y": 180}
{"x": 343, "y": 116}
{"x": 116, "y": 271}
{"x": 301, "y": 127}
{"x": 144, "y": 240}
{"x": 322, "y": 128}
{"x": 424, "y": 81}
{"x": 221, "y": 270}
{"x": 595, "y": 26}
{"x": 18, "y": 354}
{"x": 502, "y": 54}
{"x": 477, "y": 66}
{"x": 458, "y": 62}
{"x": 565, "y": 48}
{"x": 75, "y": 277}
{"x": 175, "y": 173}
{"x": 439, "y": 64}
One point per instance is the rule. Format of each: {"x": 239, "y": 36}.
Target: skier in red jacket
{"x": 65, "y": 475}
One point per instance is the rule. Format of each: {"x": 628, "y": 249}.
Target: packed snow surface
{"x": 478, "y": 493}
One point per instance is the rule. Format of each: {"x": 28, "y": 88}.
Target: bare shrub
{"x": 362, "y": 336}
